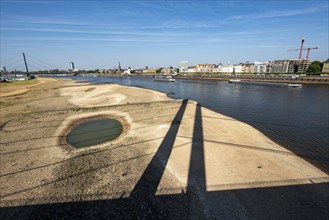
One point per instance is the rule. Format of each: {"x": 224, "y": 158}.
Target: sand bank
{"x": 16, "y": 90}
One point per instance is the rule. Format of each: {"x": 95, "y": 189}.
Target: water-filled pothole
{"x": 95, "y": 131}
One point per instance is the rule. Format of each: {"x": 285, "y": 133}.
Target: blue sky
{"x": 99, "y": 34}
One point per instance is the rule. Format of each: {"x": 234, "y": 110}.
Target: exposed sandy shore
{"x": 16, "y": 90}
{"x": 210, "y": 152}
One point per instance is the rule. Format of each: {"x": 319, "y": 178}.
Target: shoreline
{"x": 316, "y": 80}
{"x": 302, "y": 80}
{"x": 171, "y": 135}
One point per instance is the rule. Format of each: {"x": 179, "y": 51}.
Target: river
{"x": 296, "y": 118}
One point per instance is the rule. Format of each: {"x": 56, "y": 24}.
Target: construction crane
{"x": 308, "y": 51}
{"x": 301, "y": 49}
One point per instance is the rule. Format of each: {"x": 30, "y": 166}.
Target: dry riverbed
{"x": 175, "y": 159}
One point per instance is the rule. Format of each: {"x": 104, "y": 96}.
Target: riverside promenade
{"x": 174, "y": 160}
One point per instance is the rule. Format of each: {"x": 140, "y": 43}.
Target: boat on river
{"x": 294, "y": 85}
{"x": 234, "y": 80}
{"x": 249, "y": 82}
{"x": 165, "y": 79}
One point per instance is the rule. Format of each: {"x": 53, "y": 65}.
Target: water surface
{"x": 94, "y": 131}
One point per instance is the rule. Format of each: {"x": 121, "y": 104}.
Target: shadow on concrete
{"x": 308, "y": 201}
{"x": 148, "y": 183}
{"x": 285, "y": 202}
{"x": 196, "y": 184}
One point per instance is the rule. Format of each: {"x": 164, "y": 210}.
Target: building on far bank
{"x": 325, "y": 68}
{"x": 192, "y": 69}
{"x": 72, "y": 66}
{"x": 119, "y": 67}
{"x": 298, "y": 65}
{"x": 183, "y": 66}
{"x": 216, "y": 68}
{"x": 127, "y": 71}
{"x": 227, "y": 68}
{"x": 199, "y": 68}
{"x": 261, "y": 67}
{"x": 279, "y": 66}
{"x": 149, "y": 71}
{"x": 3, "y": 69}
{"x": 247, "y": 68}
{"x": 204, "y": 68}
{"x": 167, "y": 70}
{"x": 237, "y": 68}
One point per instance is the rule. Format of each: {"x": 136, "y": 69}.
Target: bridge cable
{"x": 12, "y": 63}
{"x": 42, "y": 61}
{"x": 37, "y": 68}
{"x": 16, "y": 67}
{"x": 3, "y": 61}
{"x": 41, "y": 65}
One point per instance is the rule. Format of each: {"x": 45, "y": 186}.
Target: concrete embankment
{"x": 175, "y": 159}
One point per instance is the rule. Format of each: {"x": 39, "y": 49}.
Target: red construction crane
{"x": 301, "y": 49}
{"x": 308, "y": 51}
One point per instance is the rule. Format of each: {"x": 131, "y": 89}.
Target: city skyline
{"x": 99, "y": 34}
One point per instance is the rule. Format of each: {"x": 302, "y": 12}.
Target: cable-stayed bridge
{"x": 25, "y": 63}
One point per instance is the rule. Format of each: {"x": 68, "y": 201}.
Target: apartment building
{"x": 325, "y": 68}
{"x": 298, "y": 65}
{"x": 227, "y": 68}
{"x": 247, "y": 68}
{"x": 262, "y": 67}
{"x": 237, "y": 68}
{"x": 149, "y": 71}
{"x": 216, "y": 68}
{"x": 191, "y": 69}
{"x": 183, "y": 66}
{"x": 279, "y": 66}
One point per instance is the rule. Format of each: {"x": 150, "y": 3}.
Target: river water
{"x": 296, "y": 118}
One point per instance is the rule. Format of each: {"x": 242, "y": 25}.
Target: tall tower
{"x": 183, "y": 66}
{"x": 3, "y": 69}
{"x": 119, "y": 67}
{"x": 27, "y": 70}
{"x": 72, "y": 66}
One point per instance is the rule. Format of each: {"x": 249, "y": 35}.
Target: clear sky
{"x": 99, "y": 34}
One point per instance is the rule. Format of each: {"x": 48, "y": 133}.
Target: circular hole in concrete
{"x": 93, "y": 132}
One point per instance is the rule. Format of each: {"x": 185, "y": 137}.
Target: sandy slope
{"x": 16, "y": 90}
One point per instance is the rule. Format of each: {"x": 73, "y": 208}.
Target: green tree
{"x": 158, "y": 70}
{"x": 315, "y": 67}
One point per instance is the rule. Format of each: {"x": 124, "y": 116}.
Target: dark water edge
{"x": 296, "y": 118}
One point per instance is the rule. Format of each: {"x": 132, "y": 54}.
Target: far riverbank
{"x": 319, "y": 80}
